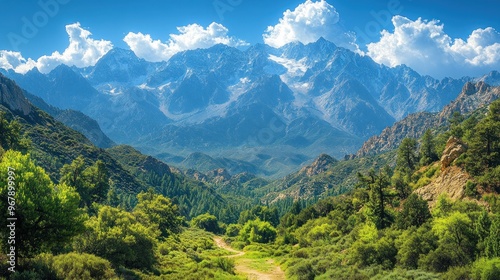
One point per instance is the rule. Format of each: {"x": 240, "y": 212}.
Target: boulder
{"x": 454, "y": 148}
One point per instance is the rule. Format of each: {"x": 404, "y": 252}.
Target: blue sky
{"x": 32, "y": 29}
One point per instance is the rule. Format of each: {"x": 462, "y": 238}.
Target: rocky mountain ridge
{"x": 473, "y": 96}
{"x": 272, "y": 108}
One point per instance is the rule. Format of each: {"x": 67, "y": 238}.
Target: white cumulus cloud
{"x": 307, "y": 23}
{"x": 190, "y": 37}
{"x": 82, "y": 51}
{"x": 11, "y": 60}
{"x": 424, "y": 46}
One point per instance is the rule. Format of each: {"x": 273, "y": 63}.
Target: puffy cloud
{"x": 10, "y": 60}
{"x": 82, "y": 51}
{"x": 424, "y": 46}
{"x": 307, "y": 23}
{"x": 190, "y": 37}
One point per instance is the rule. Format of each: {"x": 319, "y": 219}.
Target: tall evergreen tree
{"x": 427, "y": 149}
{"x": 407, "y": 158}
{"x": 378, "y": 187}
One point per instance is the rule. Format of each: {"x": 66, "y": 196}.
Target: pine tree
{"x": 407, "y": 157}
{"x": 428, "y": 149}
{"x": 378, "y": 187}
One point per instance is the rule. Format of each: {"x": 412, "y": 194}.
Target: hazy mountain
{"x": 272, "y": 108}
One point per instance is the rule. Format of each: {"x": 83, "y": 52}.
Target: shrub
{"x": 206, "y": 222}
{"x": 82, "y": 266}
{"x": 233, "y": 230}
{"x": 257, "y": 231}
{"x": 486, "y": 269}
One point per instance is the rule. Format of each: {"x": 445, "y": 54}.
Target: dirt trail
{"x": 242, "y": 264}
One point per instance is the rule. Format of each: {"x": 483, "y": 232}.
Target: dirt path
{"x": 243, "y": 265}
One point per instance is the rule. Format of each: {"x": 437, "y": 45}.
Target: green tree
{"x": 119, "y": 237}
{"x": 47, "y": 214}
{"x": 484, "y": 147}
{"x": 155, "y": 209}
{"x": 414, "y": 243}
{"x": 10, "y": 135}
{"x": 407, "y": 157}
{"x": 82, "y": 267}
{"x": 455, "y": 121}
{"x": 378, "y": 186}
{"x": 92, "y": 183}
{"x": 206, "y": 222}
{"x": 456, "y": 238}
{"x": 72, "y": 175}
{"x": 486, "y": 269}
{"x": 264, "y": 213}
{"x": 492, "y": 241}
{"x": 257, "y": 231}
{"x": 400, "y": 183}
{"x": 97, "y": 179}
{"x": 428, "y": 149}
{"x": 415, "y": 212}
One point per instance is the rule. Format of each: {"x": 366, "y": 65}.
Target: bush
{"x": 206, "y": 222}
{"x": 82, "y": 266}
{"x": 225, "y": 264}
{"x": 486, "y": 269}
{"x": 470, "y": 189}
{"x": 257, "y": 231}
{"x": 233, "y": 230}
{"x": 457, "y": 273}
{"x": 301, "y": 271}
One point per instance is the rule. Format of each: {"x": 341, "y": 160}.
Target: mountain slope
{"x": 53, "y": 145}
{"x": 472, "y": 97}
{"x": 75, "y": 120}
{"x": 286, "y": 104}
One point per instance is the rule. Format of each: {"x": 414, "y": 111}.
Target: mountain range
{"x": 264, "y": 110}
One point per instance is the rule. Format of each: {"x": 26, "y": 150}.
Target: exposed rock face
{"x": 159, "y": 167}
{"x": 320, "y": 165}
{"x": 451, "y": 181}
{"x": 196, "y": 175}
{"x": 12, "y": 97}
{"x": 412, "y": 126}
{"x": 219, "y": 175}
{"x": 454, "y": 148}
{"x": 472, "y": 97}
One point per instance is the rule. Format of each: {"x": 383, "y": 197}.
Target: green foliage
{"x": 457, "y": 242}
{"x": 470, "y": 189}
{"x": 378, "y": 186}
{"x": 10, "y": 135}
{"x": 455, "y": 128}
{"x": 156, "y": 210}
{"x": 483, "y": 156}
{"x": 119, "y": 237}
{"x": 413, "y": 244}
{"x": 492, "y": 241}
{"x": 415, "y": 212}
{"x": 257, "y": 231}
{"x": 407, "y": 158}
{"x": 206, "y": 222}
{"x": 233, "y": 230}
{"x": 92, "y": 183}
{"x": 264, "y": 213}
{"x": 486, "y": 269}
{"x": 427, "y": 152}
{"x": 82, "y": 267}
{"x": 47, "y": 214}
